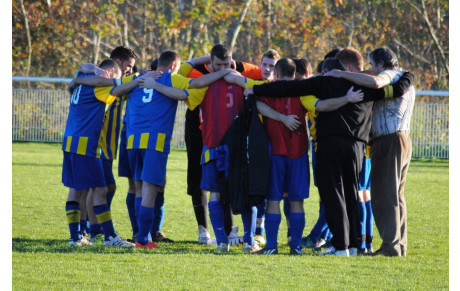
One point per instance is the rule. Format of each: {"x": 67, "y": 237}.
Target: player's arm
{"x": 248, "y": 70}
{"x": 171, "y": 92}
{"x": 292, "y": 122}
{"x": 236, "y": 78}
{"x": 188, "y": 66}
{"x": 94, "y": 81}
{"x": 208, "y": 79}
{"x": 335, "y": 103}
{"x": 128, "y": 86}
{"x": 90, "y": 68}
{"x": 200, "y": 61}
{"x": 369, "y": 81}
{"x": 395, "y": 90}
{"x": 293, "y": 88}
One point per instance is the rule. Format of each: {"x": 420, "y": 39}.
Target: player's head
{"x": 351, "y": 59}
{"x": 383, "y": 59}
{"x": 154, "y": 65}
{"x": 169, "y": 61}
{"x": 332, "y": 53}
{"x": 125, "y": 57}
{"x": 319, "y": 67}
{"x": 221, "y": 57}
{"x": 331, "y": 64}
{"x": 302, "y": 68}
{"x": 284, "y": 69}
{"x": 111, "y": 68}
{"x": 267, "y": 65}
{"x": 135, "y": 70}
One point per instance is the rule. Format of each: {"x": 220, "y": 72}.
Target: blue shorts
{"x": 209, "y": 177}
{"x": 148, "y": 165}
{"x": 82, "y": 172}
{"x": 123, "y": 161}
{"x": 108, "y": 172}
{"x": 365, "y": 175}
{"x": 291, "y": 175}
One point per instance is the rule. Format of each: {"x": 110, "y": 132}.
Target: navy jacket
{"x": 243, "y": 160}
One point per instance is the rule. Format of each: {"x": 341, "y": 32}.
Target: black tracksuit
{"x": 341, "y": 136}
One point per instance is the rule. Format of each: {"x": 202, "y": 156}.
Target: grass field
{"x": 42, "y": 259}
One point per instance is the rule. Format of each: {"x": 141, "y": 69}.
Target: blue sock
{"x": 327, "y": 234}
{"x": 159, "y": 211}
{"x": 83, "y": 225}
{"x": 272, "y": 227}
{"x": 362, "y": 221}
{"x": 249, "y": 218}
{"x": 72, "y": 209}
{"x": 297, "y": 226}
{"x": 137, "y": 204}
{"x": 369, "y": 224}
{"x": 95, "y": 229}
{"x": 130, "y": 198}
{"x": 110, "y": 198}
{"x": 216, "y": 213}
{"x": 105, "y": 220}
{"x": 320, "y": 225}
{"x": 260, "y": 217}
{"x": 287, "y": 211}
{"x": 144, "y": 221}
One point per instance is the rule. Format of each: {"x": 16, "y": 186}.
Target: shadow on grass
{"x": 37, "y": 165}
{"x": 431, "y": 163}
{"x": 27, "y": 245}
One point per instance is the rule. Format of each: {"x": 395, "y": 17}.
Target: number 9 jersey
{"x": 150, "y": 115}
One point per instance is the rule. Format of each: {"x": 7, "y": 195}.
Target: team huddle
{"x": 247, "y": 131}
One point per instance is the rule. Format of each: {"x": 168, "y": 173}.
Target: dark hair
{"x": 385, "y": 56}
{"x": 221, "y": 51}
{"x": 167, "y": 57}
{"x": 350, "y": 56}
{"x": 332, "y": 53}
{"x": 302, "y": 66}
{"x": 331, "y": 64}
{"x": 123, "y": 53}
{"x": 285, "y": 67}
{"x": 110, "y": 63}
{"x": 135, "y": 69}
{"x": 319, "y": 67}
{"x": 154, "y": 65}
{"x": 271, "y": 54}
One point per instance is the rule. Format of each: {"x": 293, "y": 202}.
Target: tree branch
{"x": 240, "y": 22}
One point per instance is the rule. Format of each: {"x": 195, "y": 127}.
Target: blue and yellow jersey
{"x": 367, "y": 151}
{"x": 111, "y": 130}
{"x": 310, "y": 102}
{"x": 85, "y": 119}
{"x": 150, "y": 115}
{"x": 112, "y": 124}
{"x": 250, "y": 82}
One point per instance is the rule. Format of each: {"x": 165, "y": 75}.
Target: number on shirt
{"x": 75, "y": 95}
{"x": 145, "y": 98}
{"x": 230, "y": 98}
{"x": 287, "y": 105}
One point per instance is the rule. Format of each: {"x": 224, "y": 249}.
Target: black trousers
{"x": 194, "y": 145}
{"x": 338, "y": 164}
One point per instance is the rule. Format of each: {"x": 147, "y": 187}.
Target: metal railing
{"x": 40, "y": 115}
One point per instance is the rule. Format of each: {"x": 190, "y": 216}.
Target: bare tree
{"x": 240, "y": 22}
{"x": 29, "y": 42}
{"x": 423, "y": 12}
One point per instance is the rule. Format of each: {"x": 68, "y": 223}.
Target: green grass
{"x": 42, "y": 259}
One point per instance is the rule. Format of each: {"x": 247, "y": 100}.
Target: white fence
{"x": 40, "y": 115}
